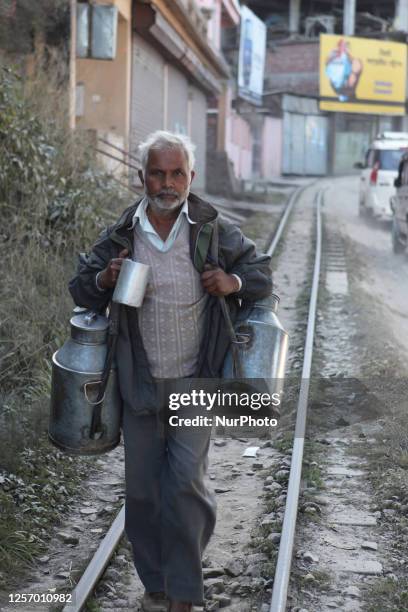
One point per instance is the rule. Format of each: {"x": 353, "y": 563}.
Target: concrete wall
{"x": 106, "y": 84}
{"x": 214, "y": 23}
{"x": 272, "y": 138}
{"x": 239, "y": 145}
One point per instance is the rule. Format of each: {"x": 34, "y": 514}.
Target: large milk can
{"x": 77, "y": 369}
{"x": 262, "y": 349}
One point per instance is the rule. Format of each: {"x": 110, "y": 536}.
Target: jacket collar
{"x": 199, "y": 211}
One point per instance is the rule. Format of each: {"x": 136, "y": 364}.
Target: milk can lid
{"x": 89, "y": 328}
{"x": 89, "y": 321}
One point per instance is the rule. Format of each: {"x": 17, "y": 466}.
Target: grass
{"x": 37, "y": 495}
{"x": 321, "y": 582}
{"x": 53, "y": 200}
{"x": 258, "y": 228}
{"x": 312, "y": 475}
{"x": 277, "y": 198}
{"x": 92, "y": 606}
{"x": 387, "y": 594}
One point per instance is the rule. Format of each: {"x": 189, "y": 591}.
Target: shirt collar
{"x": 141, "y": 214}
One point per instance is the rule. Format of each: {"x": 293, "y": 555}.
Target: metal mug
{"x": 132, "y": 283}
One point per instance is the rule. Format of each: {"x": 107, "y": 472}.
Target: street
{"x": 375, "y": 269}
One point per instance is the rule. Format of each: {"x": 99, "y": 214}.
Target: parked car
{"x": 379, "y": 171}
{"x": 399, "y": 205}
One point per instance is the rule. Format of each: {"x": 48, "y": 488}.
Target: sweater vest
{"x": 171, "y": 318}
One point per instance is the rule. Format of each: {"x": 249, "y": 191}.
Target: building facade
{"x": 162, "y": 74}
{"x": 292, "y": 79}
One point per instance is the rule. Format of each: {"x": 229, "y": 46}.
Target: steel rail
{"x": 97, "y": 565}
{"x": 283, "y": 220}
{"x": 284, "y": 561}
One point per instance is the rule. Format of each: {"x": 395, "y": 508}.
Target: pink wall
{"x": 236, "y": 140}
{"x": 239, "y": 145}
{"x": 272, "y": 142}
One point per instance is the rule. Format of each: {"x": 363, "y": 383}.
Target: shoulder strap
{"x": 235, "y": 342}
{"x": 215, "y": 242}
{"x": 97, "y": 429}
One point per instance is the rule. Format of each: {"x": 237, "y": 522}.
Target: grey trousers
{"x": 170, "y": 515}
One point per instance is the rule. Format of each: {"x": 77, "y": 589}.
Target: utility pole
{"x": 294, "y": 16}
{"x": 349, "y": 17}
{"x": 401, "y": 15}
{"x": 72, "y": 65}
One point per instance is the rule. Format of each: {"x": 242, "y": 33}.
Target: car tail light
{"x": 374, "y": 174}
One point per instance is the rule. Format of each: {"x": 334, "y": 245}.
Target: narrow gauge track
{"x": 284, "y": 561}
{"x": 103, "y": 554}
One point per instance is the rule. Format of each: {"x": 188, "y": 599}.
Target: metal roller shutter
{"x": 147, "y": 91}
{"x": 177, "y": 101}
{"x": 198, "y": 134}
{"x": 305, "y": 144}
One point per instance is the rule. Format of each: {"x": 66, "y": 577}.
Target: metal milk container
{"x": 77, "y": 369}
{"x": 263, "y": 347}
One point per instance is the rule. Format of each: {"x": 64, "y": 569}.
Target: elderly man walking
{"x": 178, "y": 334}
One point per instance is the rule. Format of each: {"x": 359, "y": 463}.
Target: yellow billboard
{"x": 361, "y": 75}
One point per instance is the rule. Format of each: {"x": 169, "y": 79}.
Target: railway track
{"x": 327, "y": 249}
{"x": 101, "y": 558}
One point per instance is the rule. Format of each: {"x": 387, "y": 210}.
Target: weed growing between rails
{"x": 52, "y": 204}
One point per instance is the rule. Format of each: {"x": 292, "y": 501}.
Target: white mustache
{"x": 167, "y": 193}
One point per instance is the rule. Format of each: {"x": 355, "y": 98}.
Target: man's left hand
{"x": 217, "y": 282}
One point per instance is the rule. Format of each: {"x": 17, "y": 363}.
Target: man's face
{"x": 167, "y": 179}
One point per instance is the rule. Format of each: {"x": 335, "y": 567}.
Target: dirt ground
{"x": 379, "y": 273}
{"x": 351, "y": 545}
{"x": 345, "y": 536}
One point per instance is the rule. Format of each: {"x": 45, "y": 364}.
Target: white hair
{"x": 161, "y": 139}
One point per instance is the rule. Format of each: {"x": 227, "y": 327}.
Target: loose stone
{"x": 233, "y": 588}
{"x": 223, "y": 600}
{"x": 311, "y": 558}
{"x": 369, "y": 545}
{"x": 309, "y": 578}
{"x": 352, "y": 591}
{"x": 274, "y": 537}
{"x": 68, "y": 538}
{"x": 212, "y": 572}
{"x": 235, "y": 567}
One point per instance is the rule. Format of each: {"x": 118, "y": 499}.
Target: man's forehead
{"x": 167, "y": 158}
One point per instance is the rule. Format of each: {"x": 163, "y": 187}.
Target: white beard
{"x": 160, "y": 206}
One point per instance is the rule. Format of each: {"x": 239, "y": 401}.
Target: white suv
{"x": 379, "y": 171}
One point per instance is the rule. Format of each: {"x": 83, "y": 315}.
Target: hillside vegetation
{"x": 53, "y": 203}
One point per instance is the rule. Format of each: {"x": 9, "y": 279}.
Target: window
{"x": 370, "y": 158}
{"x": 389, "y": 160}
{"x": 96, "y": 31}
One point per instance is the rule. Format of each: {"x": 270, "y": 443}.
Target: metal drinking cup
{"x": 132, "y": 283}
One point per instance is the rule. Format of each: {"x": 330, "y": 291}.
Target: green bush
{"x": 53, "y": 203}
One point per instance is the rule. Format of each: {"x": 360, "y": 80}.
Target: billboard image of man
{"x": 343, "y": 71}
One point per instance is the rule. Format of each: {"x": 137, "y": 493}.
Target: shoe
{"x": 155, "y": 602}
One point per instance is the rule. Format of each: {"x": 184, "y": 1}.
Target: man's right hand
{"x": 108, "y": 277}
